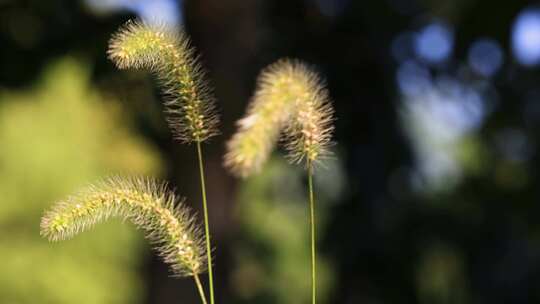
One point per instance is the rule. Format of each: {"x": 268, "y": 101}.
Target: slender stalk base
{"x": 200, "y": 288}
{"x": 206, "y": 226}
{"x": 312, "y": 227}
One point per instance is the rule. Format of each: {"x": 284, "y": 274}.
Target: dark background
{"x": 391, "y": 236}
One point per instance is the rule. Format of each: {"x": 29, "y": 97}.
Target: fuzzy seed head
{"x": 148, "y": 204}
{"x": 290, "y": 101}
{"x": 308, "y": 133}
{"x": 166, "y": 51}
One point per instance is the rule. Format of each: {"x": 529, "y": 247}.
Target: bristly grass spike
{"x": 166, "y": 221}
{"x": 290, "y": 102}
{"x": 165, "y": 50}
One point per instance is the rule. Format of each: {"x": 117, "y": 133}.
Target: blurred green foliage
{"x": 441, "y": 275}
{"x": 56, "y": 136}
{"x": 273, "y": 256}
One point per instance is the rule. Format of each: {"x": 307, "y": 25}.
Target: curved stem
{"x": 312, "y": 226}
{"x": 206, "y": 225}
{"x": 200, "y": 288}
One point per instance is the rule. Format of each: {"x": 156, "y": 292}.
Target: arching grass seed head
{"x": 166, "y": 51}
{"x": 290, "y": 101}
{"x": 166, "y": 222}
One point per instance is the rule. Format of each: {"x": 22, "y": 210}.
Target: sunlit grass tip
{"x": 308, "y": 134}
{"x": 291, "y": 102}
{"x": 165, "y": 50}
{"x": 148, "y": 204}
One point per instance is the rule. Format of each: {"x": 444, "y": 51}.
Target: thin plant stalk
{"x": 312, "y": 227}
{"x": 290, "y": 103}
{"x": 200, "y": 288}
{"x": 206, "y": 225}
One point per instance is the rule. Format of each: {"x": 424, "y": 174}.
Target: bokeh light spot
{"x": 434, "y": 43}
{"x": 485, "y": 57}
{"x": 155, "y": 11}
{"x": 526, "y": 37}
{"x": 413, "y": 78}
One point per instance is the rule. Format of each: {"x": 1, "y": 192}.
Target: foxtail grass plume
{"x": 291, "y": 100}
{"x": 146, "y": 203}
{"x": 166, "y": 51}
{"x": 308, "y": 134}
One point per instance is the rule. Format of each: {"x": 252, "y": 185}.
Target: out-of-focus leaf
{"x": 55, "y": 137}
